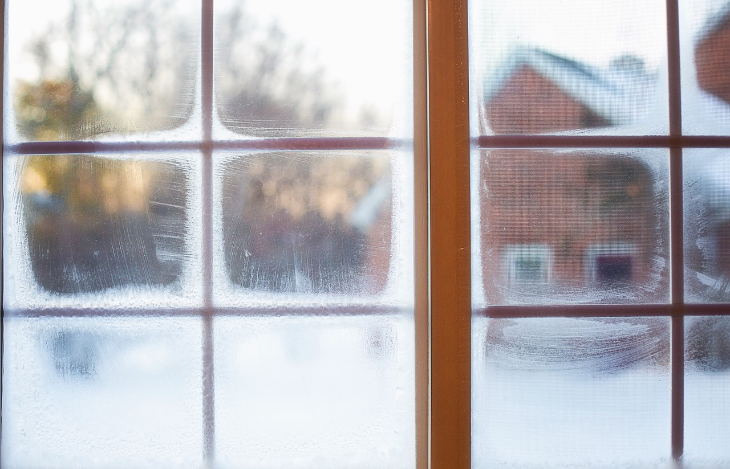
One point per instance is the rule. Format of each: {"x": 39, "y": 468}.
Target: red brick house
{"x": 535, "y": 91}
{"x": 710, "y": 55}
{"x": 584, "y": 223}
{"x": 707, "y": 245}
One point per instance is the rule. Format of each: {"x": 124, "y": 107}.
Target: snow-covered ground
{"x": 289, "y": 392}
{"x": 569, "y": 407}
{"x": 333, "y": 392}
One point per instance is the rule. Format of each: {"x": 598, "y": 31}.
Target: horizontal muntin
{"x": 597, "y": 141}
{"x": 244, "y": 311}
{"x": 608, "y": 311}
{"x": 364, "y": 143}
{"x": 265, "y": 144}
{"x": 509, "y": 311}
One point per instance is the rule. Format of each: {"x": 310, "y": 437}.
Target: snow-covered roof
{"x": 714, "y": 23}
{"x": 621, "y": 93}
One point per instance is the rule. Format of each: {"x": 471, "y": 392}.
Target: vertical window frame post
{"x": 449, "y": 242}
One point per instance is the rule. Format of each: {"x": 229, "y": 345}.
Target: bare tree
{"x": 267, "y": 84}
{"x": 121, "y": 69}
{"x": 95, "y": 224}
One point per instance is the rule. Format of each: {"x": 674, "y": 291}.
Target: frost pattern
{"x": 570, "y": 393}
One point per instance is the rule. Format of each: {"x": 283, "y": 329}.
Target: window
{"x": 212, "y": 225}
{"x": 554, "y": 270}
{"x": 527, "y": 264}
{"x": 585, "y": 140}
{"x": 613, "y": 264}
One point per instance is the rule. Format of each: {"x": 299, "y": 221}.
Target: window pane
{"x": 553, "y": 66}
{"x": 314, "y": 225}
{"x": 89, "y": 228}
{"x": 705, "y": 29}
{"x": 315, "y": 391}
{"x": 578, "y": 226}
{"x": 707, "y": 401}
{"x": 316, "y": 68}
{"x": 560, "y": 392}
{"x": 707, "y": 224}
{"x": 307, "y": 222}
{"x": 102, "y": 392}
{"x": 78, "y": 69}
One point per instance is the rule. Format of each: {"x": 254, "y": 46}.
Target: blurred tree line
{"x": 96, "y": 223}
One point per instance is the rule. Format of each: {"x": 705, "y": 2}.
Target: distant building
{"x": 708, "y": 171}
{"x": 585, "y": 220}
{"x": 535, "y": 91}
{"x": 711, "y": 51}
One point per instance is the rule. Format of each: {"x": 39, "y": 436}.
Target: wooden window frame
{"x": 442, "y": 145}
{"x": 206, "y": 146}
{"x": 450, "y": 144}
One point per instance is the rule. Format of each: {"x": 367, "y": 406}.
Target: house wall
{"x": 711, "y": 61}
{"x": 530, "y": 103}
{"x": 569, "y": 202}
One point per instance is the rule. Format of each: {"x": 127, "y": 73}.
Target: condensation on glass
{"x": 102, "y": 392}
{"x": 571, "y": 226}
{"x": 707, "y": 401}
{"x": 705, "y": 46}
{"x": 307, "y": 222}
{"x": 318, "y": 68}
{"x": 85, "y": 229}
{"x": 315, "y": 392}
{"x": 132, "y": 273}
{"x": 96, "y": 69}
{"x": 706, "y": 175}
{"x": 562, "y": 66}
{"x": 570, "y": 392}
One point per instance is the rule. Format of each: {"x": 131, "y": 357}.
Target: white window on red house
{"x": 611, "y": 264}
{"x": 528, "y": 263}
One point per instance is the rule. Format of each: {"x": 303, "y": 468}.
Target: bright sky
{"x": 592, "y": 31}
{"x": 366, "y": 45}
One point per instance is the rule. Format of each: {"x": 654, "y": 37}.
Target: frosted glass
{"x": 87, "y": 225}
{"x": 707, "y": 392}
{"x": 706, "y": 176}
{"x": 705, "y": 41}
{"x": 308, "y": 222}
{"x": 553, "y": 66}
{"x": 560, "y": 392}
{"x": 78, "y": 70}
{"x": 570, "y": 226}
{"x": 102, "y": 392}
{"x": 302, "y": 392}
{"x": 315, "y": 68}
